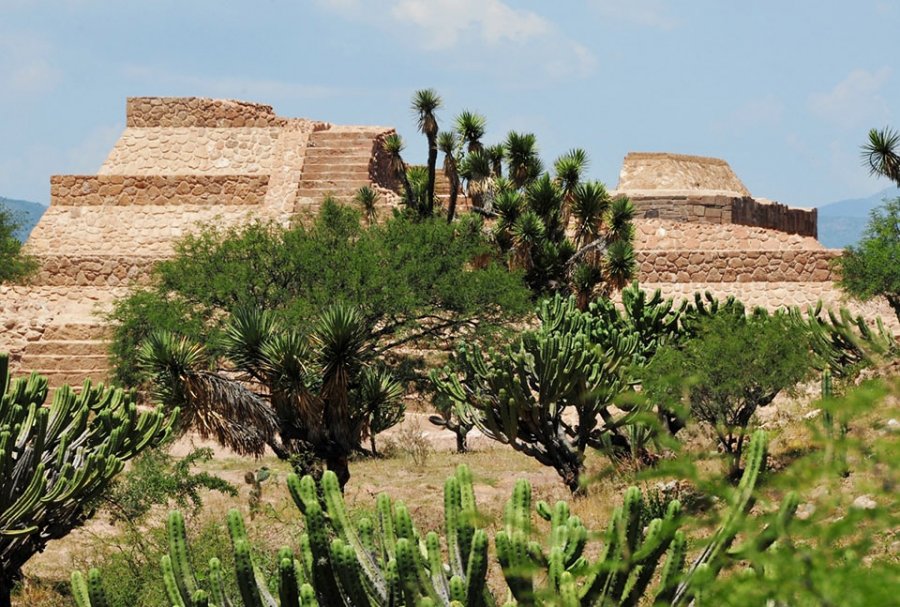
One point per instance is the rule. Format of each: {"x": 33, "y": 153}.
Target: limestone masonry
{"x": 182, "y": 162}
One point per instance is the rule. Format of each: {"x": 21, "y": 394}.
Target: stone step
{"x": 65, "y": 362}
{"x": 338, "y": 152}
{"x": 74, "y": 378}
{"x": 356, "y": 170}
{"x": 349, "y": 184}
{"x": 76, "y": 331}
{"x": 79, "y": 347}
{"x": 332, "y": 136}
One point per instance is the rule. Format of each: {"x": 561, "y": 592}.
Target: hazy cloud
{"x": 25, "y": 65}
{"x": 649, "y": 13}
{"x": 855, "y": 101}
{"x": 212, "y": 86}
{"x": 443, "y": 22}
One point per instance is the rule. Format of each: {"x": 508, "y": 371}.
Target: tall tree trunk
{"x": 462, "y": 445}
{"x": 432, "y": 163}
{"x": 454, "y": 193}
{"x": 340, "y": 466}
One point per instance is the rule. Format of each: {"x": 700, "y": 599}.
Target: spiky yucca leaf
{"x": 425, "y": 103}
{"x": 471, "y": 128}
{"x": 380, "y": 397}
{"x": 618, "y": 220}
{"x": 245, "y": 337}
{"x": 214, "y": 406}
{"x": 881, "y": 153}
{"x": 619, "y": 263}
{"x": 589, "y": 204}
{"x": 366, "y": 197}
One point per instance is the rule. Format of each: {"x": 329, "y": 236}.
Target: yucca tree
{"x": 475, "y": 168}
{"x": 496, "y": 154}
{"x": 881, "y": 153}
{"x": 522, "y": 158}
{"x": 425, "y": 103}
{"x": 589, "y": 203}
{"x": 393, "y": 145}
{"x": 307, "y": 398}
{"x": 447, "y": 144}
{"x": 471, "y": 128}
{"x": 569, "y": 169}
{"x": 366, "y": 197}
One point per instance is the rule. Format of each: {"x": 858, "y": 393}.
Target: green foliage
{"x": 522, "y": 395}
{"x": 870, "y": 269}
{"x": 734, "y": 365}
{"x": 397, "y": 273}
{"x": 385, "y": 560}
{"x": 56, "y": 461}
{"x": 14, "y": 264}
{"x": 317, "y": 394}
{"x": 157, "y": 478}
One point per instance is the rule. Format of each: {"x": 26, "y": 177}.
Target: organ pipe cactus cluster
{"x": 56, "y": 460}
{"x": 386, "y": 561}
{"x": 629, "y": 561}
{"x": 380, "y": 562}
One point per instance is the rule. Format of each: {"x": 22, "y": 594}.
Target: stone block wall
{"x": 727, "y": 210}
{"x": 681, "y": 266}
{"x": 93, "y": 270}
{"x": 198, "y": 112}
{"x": 163, "y": 190}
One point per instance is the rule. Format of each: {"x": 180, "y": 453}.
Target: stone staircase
{"x": 69, "y": 352}
{"x": 337, "y": 163}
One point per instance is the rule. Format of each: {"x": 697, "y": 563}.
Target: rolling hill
{"x": 841, "y": 223}
{"x": 27, "y": 213}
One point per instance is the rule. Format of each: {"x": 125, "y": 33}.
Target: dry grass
{"x": 495, "y": 469}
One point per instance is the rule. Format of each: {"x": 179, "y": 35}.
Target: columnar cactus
{"x": 55, "y": 460}
{"x": 388, "y": 562}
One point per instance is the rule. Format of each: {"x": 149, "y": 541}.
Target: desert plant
{"x": 366, "y": 197}
{"x": 323, "y": 394}
{"x": 386, "y": 561}
{"x": 734, "y": 365}
{"x": 381, "y": 562}
{"x": 156, "y": 478}
{"x": 14, "y": 263}
{"x": 57, "y": 460}
{"x": 549, "y": 394}
{"x": 425, "y": 103}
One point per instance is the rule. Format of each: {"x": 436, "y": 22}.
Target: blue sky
{"x": 784, "y": 90}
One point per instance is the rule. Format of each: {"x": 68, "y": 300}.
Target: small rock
{"x": 892, "y": 425}
{"x": 864, "y": 502}
{"x": 804, "y": 511}
{"x": 813, "y": 414}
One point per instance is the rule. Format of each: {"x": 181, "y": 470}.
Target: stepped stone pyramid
{"x": 186, "y": 161}
{"x": 179, "y": 162}
{"x": 698, "y": 228}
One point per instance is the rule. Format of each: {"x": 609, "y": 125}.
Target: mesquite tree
{"x": 56, "y": 460}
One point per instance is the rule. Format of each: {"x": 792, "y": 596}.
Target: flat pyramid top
{"x": 656, "y": 174}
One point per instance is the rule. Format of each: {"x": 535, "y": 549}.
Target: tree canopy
{"x": 408, "y": 278}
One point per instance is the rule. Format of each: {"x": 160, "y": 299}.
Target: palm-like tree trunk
{"x": 432, "y": 163}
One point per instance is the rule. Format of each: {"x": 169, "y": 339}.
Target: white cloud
{"x": 855, "y": 101}
{"x": 25, "y": 65}
{"x": 226, "y": 86}
{"x": 487, "y": 35}
{"x": 442, "y": 23}
{"x": 648, "y": 13}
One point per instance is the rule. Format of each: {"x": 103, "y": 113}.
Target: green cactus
{"x": 388, "y": 562}
{"x": 55, "y": 460}
{"x": 519, "y": 396}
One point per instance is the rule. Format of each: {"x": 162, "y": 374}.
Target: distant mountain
{"x": 27, "y": 213}
{"x": 842, "y": 223}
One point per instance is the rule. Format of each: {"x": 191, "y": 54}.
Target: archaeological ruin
{"x": 186, "y": 161}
